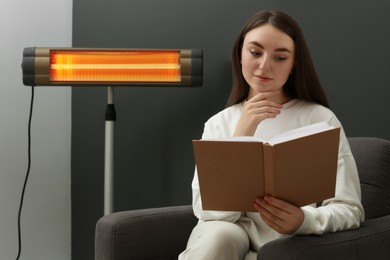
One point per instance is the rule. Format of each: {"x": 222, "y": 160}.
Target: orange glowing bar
{"x": 115, "y": 66}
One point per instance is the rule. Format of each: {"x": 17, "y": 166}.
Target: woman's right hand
{"x": 255, "y": 110}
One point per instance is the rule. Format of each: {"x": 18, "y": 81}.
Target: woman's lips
{"x": 263, "y": 77}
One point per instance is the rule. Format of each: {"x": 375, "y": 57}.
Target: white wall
{"x": 46, "y": 216}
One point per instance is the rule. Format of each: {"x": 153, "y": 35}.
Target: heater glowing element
{"x": 115, "y": 66}
{"x": 45, "y": 66}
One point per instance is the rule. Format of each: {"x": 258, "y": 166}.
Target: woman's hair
{"x": 303, "y": 82}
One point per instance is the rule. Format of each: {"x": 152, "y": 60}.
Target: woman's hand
{"x": 279, "y": 215}
{"x": 256, "y": 109}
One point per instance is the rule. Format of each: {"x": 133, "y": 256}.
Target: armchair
{"x": 162, "y": 233}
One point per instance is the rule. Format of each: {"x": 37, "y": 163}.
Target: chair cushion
{"x": 372, "y": 156}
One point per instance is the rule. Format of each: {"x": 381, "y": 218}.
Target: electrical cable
{"x": 27, "y": 174}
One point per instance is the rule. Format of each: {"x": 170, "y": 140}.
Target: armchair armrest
{"x": 158, "y": 233}
{"x": 370, "y": 241}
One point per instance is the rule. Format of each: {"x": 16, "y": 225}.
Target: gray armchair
{"x": 162, "y": 233}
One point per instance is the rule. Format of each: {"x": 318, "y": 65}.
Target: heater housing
{"x": 111, "y": 67}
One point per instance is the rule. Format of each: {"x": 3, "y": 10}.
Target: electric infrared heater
{"x": 111, "y": 68}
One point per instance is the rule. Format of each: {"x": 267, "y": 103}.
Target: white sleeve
{"x": 345, "y": 210}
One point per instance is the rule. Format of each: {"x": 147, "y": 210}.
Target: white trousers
{"x": 219, "y": 240}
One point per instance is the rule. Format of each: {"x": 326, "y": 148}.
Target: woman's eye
{"x": 255, "y": 53}
{"x": 280, "y": 58}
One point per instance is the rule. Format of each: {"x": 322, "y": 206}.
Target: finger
{"x": 270, "y": 219}
{"x": 280, "y": 204}
{"x": 263, "y": 107}
{"x": 273, "y": 213}
{"x": 265, "y": 110}
{"x": 289, "y": 217}
{"x": 271, "y": 223}
{"x": 262, "y": 100}
{"x": 262, "y": 103}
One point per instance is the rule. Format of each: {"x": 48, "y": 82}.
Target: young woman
{"x": 275, "y": 89}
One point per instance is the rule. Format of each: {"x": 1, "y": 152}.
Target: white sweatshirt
{"x": 344, "y": 211}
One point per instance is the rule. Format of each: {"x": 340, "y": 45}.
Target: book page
{"x": 237, "y": 139}
{"x": 300, "y": 132}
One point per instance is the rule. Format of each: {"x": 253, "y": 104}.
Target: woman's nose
{"x": 264, "y": 64}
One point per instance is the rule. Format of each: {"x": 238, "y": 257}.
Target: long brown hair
{"x": 303, "y": 82}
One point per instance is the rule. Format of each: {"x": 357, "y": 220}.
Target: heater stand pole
{"x": 109, "y": 153}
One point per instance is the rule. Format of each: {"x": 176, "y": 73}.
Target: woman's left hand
{"x": 280, "y": 215}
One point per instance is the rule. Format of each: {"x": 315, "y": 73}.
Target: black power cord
{"x": 27, "y": 174}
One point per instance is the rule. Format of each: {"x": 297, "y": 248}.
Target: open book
{"x": 298, "y": 166}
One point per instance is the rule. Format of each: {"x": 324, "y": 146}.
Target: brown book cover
{"x": 233, "y": 172}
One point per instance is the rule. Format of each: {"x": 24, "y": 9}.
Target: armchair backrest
{"x": 372, "y": 156}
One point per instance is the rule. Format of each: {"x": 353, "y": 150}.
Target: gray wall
{"x": 153, "y": 154}
{"x": 46, "y": 215}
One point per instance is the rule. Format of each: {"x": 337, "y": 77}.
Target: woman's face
{"x": 267, "y": 59}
